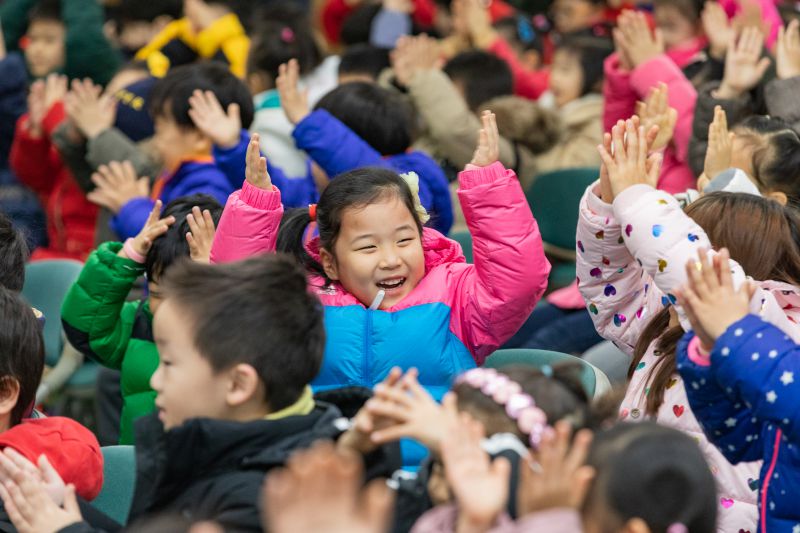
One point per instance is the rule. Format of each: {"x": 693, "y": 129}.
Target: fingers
{"x": 724, "y": 270}
{"x": 155, "y": 214}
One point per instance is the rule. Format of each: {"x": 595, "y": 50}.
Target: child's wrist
{"x": 130, "y": 251}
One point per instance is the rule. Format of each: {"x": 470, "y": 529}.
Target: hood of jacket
{"x": 169, "y": 462}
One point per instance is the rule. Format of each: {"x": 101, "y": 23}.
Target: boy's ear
{"x": 329, "y": 264}
{"x": 9, "y": 395}
{"x": 201, "y": 144}
{"x": 635, "y": 525}
{"x": 244, "y": 385}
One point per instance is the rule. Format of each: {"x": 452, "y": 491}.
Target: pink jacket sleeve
{"x": 682, "y": 96}
{"x": 620, "y": 296}
{"x": 619, "y": 97}
{"x": 249, "y": 224}
{"x": 494, "y": 296}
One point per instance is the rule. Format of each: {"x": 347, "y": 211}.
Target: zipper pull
{"x": 376, "y": 303}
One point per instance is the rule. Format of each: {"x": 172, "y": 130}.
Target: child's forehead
{"x": 46, "y": 25}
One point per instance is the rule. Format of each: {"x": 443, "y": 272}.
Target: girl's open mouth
{"x": 391, "y": 284}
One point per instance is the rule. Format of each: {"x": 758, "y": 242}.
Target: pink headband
{"x": 519, "y": 405}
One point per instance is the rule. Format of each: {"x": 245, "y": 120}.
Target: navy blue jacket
{"x": 748, "y": 402}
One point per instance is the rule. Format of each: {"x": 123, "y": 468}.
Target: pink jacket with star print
{"x": 631, "y": 257}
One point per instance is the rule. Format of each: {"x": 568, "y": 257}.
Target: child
{"x": 183, "y": 147}
{"x": 360, "y": 124}
{"x": 362, "y": 62}
{"x": 406, "y": 410}
{"x": 231, "y": 406}
{"x": 209, "y": 30}
{"x": 13, "y": 255}
{"x": 34, "y": 159}
{"x": 395, "y": 294}
{"x": 60, "y": 36}
{"x": 70, "y": 448}
{"x": 630, "y": 254}
{"x": 745, "y": 401}
{"x": 117, "y": 333}
{"x": 135, "y": 24}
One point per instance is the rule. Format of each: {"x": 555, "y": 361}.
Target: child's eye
{"x": 369, "y": 248}
{"x": 405, "y": 241}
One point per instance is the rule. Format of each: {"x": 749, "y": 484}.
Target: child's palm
{"x": 293, "y": 100}
{"x": 488, "y": 149}
{"x": 256, "y": 166}
{"x": 720, "y": 146}
{"x": 744, "y": 66}
{"x": 221, "y": 126}
{"x": 787, "y": 51}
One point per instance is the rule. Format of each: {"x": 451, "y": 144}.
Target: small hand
{"x": 414, "y": 54}
{"x": 559, "y": 477}
{"x": 488, "y": 149}
{"x": 293, "y": 100}
{"x": 36, "y": 108}
{"x": 720, "y": 146}
{"x": 744, "y": 66}
{"x": 630, "y": 165}
{"x": 256, "y": 166}
{"x": 221, "y": 126}
{"x": 89, "y": 111}
{"x": 641, "y": 44}
{"x": 787, "y": 51}
{"x": 718, "y": 29}
{"x": 655, "y": 111}
{"x": 709, "y": 299}
{"x": 55, "y": 89}
{"x": 117, "y": 184}
{"x": 201, "y": 235}
{"x": 153, "y": 228}
{"x": 479, "y": 24}
{"x": 12, "y": 463}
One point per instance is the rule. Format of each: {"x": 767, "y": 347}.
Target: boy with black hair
{"x": 63, "y": 36}
{"x": 363, "y": 62}
{"x": 136, "y": 23}
{"x": 184, "y": 149}
{"x": 13, "y": 255}
{"x": 239, "y": 344}
{"x": 116, "y": 333}
{"x": 480, "y": 77}
{"x": 209, "y": 30}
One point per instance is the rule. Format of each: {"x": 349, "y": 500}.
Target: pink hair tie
{"x": 132, "y": 254}
{"x": 677, "y": 527}
{"x": 287, "y": 35}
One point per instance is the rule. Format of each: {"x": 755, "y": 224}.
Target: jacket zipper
{"x": 775, "y": 449}
{"x": 368, "y": 349}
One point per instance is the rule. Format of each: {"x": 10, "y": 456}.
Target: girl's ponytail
{"x": 291, "y": 238}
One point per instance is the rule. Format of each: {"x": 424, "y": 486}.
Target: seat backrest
{"x": 554, "y": 198}
{"x": 593, "y": 379}
{"x": 46, "y": 285}
{"x": 464, "y": 238}
{"x": 119, "y": 482}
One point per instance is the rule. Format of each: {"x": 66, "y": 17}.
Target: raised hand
{"x": 641, "y": 44}
{"x": 320, "y": 490}
{"x": 415, "y": 54}
{"x": 255, "y": 171}
{"x": 201, "y": 235}
{"x": 559, "y": 477}
{"x": 479, "y": 484}
{"x": 12, "y": 463}
{"x": 55, "y": 89}
{"x": 30, "y": 507}
{"x": 720, "y": 146}
{"x": 479, "y": 23}
{"x": 221, "y": 126}
{"x": 718, "y": 29}
{"x": 153, "y": 228}
{"x": 89, "y": 110}
{"x": 709, "y": 299}
{"x": 787, "y": 51}
{"x": 406, "y": 410}
{"x": 630, "y": 165}
{"x": 116, "y": 184}
{"x": 655, "y": 111}
{"x": 488, "y": 149}
{"x": 744, "y": 66}
{"x": 293, "y": 100}
{"x": 36, "y": 108}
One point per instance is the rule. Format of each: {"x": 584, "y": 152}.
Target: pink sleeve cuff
{"x": 473, "y": 176}
{"x": 696, "y": 353}
{"x": 260, "y": 198}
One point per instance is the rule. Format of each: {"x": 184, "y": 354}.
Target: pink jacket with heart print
{"x": 631, "y": 257}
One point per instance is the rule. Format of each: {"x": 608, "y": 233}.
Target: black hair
{"x": 364, "y": 59}
{"x": 282, "y": 32}
{"x": 172, "y": 245}
{"x": 170, "y": 95}
{"x": 356, "y": 27}
{"x": 137, "y": 11}
{"x": 591, "y": 52}
{"x": 521, "y": 33}
{"x": 383, "y": 119}
{"x": 561, "y": 396}
{"x": 353, "y": 189}
{"x": 483, "y": 76}
{"x": 22, "y": 346}
{"x": 46, "y": 10}
{"x": 654, "y": 473}
{"x": 691, "y": 9}
{"x": 266, "y": 297}
{"x": 13, "y": 255}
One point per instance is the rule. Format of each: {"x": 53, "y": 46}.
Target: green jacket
{"x": 115, "y": 333}
{"x": 88, "y": 53}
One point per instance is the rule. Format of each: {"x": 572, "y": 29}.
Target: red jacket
{"x": 71, "y": 217}
{"x": 71, "y": 448}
